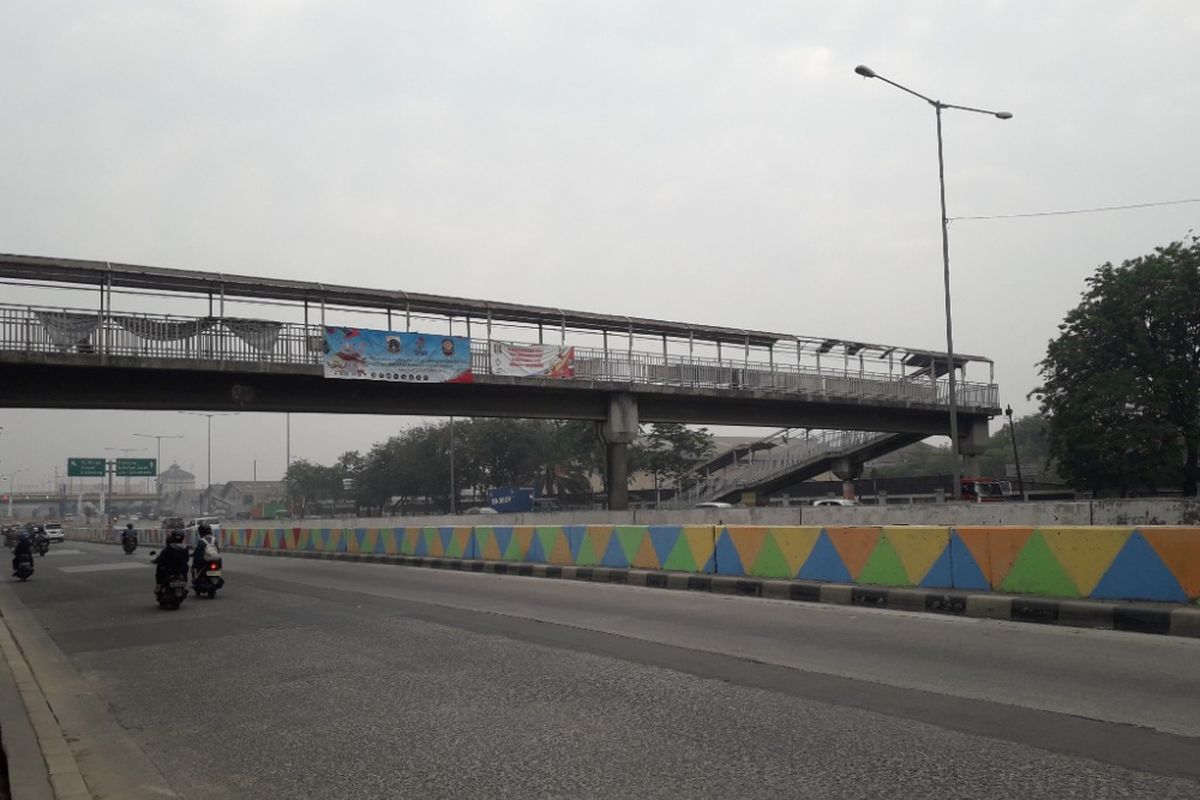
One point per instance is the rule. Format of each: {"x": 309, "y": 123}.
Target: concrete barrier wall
{"x": 1160, "y": 563}
{"x": 1127, "y": 512}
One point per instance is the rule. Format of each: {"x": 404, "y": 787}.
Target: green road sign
{"x": 85, "y": 467}
{"x": 136, "y": 468}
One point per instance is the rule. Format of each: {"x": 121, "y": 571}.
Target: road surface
{"x": 324, "y": 679}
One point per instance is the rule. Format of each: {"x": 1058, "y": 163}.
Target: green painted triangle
{"x": 586, "y": 557}
{"x": 513, "y": 551}
{"x": 549, "y": 537}
{"x": 1037, "y": 571}
{"x": 680, "y": 558}
{"x": 631, "y": 541}
{"x": 884, "y": 567}
{"x": 771, "y": 563}
{"x": 454, "y": 550}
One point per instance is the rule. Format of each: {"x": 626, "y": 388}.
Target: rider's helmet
{"x": 176, "y": 537}
{"x": 24, "y": 535}
{"x": 204, "y": 530}
{"x": 129, "y": 527}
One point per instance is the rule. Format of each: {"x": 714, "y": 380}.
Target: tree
{"x": 307, "y": 484}
{"x": 1122, "y": 380}
{"x": 671, "y": 451}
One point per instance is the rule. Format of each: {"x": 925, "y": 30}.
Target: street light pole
{"x": 208, "y": 477}
{"x": 867, "y": 72}
{"x": 1016, "y": 456}
{"x": 158, "y": 447}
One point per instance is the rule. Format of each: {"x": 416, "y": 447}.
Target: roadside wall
{"x": 1160, "y": 563}
{"x": 1132, "y": 512}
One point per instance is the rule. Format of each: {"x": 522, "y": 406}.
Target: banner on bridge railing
{"x": 533, "y": 360}
{"x": 362, "y": 354}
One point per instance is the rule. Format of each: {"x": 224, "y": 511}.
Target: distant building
{"x": 175, "y": 479}
{"x": 241, "y": 498}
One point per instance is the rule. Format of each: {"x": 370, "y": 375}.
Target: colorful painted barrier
{"x": 1110, "y": 563}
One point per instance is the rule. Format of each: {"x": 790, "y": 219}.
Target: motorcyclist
{"x": 23, "y": 547}
{"x": 205, "y": 544}
{"x": 172, "y": 560}
{"x": 40, "y": 539}
{"x": 129, "y": 534}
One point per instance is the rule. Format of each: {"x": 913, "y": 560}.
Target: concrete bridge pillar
{"x": 848, "y": 471}
{"x": 619, "y": 430}
{"x": 973, "y": 441}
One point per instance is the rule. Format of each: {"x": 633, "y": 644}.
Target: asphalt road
{"x": 335, "y": 680}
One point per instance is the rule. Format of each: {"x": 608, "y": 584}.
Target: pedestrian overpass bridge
{"x": 94, "y": 334}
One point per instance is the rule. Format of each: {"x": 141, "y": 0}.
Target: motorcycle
{"x": 41, "y": 545}
{"x": 208, "y": 579}
{"x": 25, "y": 566}
{"x": 172, "y": 593}
{"x": 128, "y": 544}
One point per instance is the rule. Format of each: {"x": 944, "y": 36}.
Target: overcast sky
{"x": 702, "y": 161}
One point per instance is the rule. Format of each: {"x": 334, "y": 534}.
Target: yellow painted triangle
{"x": 796, "y": 544}
{"x": 1085, "y": 553}
{"x": 702, "y": 541}
{"x": 918, "y": 548}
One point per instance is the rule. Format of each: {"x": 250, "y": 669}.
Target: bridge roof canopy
{"x": 44, "y": 269}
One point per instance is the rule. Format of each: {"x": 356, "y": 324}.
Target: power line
{"x": 1080, "y": 210}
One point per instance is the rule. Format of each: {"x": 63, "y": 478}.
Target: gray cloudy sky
{"x": 711, "y": 162}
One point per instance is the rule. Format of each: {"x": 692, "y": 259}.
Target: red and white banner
{"x": 533, "y": 360}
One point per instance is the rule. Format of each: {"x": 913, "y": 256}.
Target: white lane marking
{"x": 102, "y": 567}
{"x": 53, "y": 552}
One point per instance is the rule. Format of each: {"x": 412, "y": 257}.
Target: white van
{"x": 212, "y": 522}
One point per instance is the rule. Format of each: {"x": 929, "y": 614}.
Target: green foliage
{"x": 1032, "y": 441}
{"x": 671, "y": 451}
{"x": 1122, "y": 380}
{"x": 412, "y": 468}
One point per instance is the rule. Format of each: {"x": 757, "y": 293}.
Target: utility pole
{"x": 208, "y": 480}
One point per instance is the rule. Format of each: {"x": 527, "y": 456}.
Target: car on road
{"x": 172, "y": 523}
{"x": 212, "y": 522}
{"x": 54, "y": 531}
{"x": 485, "y": 510}
{"x": 835, "y": 501}
{"x": 713, "y": 504}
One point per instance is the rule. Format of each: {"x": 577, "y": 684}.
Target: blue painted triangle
{"x": 575, "y": 539}
{"x": 445, "y": 534}
{"x": 663, "y": 539}
{"x": 536, "y": 552}
{"x": 728, "y": 560}
{"x": 941, "y": 574}
{"x": 965, "y": 570}
{"x": 710, "y": 566}
{"x": 380, "y": 544}
{"x": 614, "y": 554}
{"x": 503, "y": 537}
{"x": 422, "y": 550}
{"x": 1137, "y": 573}
{"x": 824, "y": 563}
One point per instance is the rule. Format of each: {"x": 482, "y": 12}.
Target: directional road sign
{"x": 136, "y": 467}
{"x": 85, "y": 467}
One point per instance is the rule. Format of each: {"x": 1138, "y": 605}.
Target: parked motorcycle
{"x": 208, "y": 579}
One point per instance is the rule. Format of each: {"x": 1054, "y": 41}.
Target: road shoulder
{"x": 85, "y": 753}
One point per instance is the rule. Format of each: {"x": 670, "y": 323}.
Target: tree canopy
{"x": 1121, "y": 382}
{"x": 412, "y": 469}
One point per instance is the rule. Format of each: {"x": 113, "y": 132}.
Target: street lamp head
{"x": 1008, "y": 411}
{"x": 865, "y": 71}
{"x": 1003, "y": 115}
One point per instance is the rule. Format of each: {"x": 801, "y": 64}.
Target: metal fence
{"x": 96, "y": 333}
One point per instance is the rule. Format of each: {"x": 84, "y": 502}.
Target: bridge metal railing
{"x": 794, "y": 450}
{"x": 90, "y": 332}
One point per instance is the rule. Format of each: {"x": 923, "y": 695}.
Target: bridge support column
{"x": 619, "y": 431}
{"x": 848, "y": 471}
{"x": 973, "y": 441}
